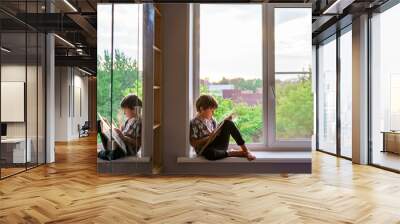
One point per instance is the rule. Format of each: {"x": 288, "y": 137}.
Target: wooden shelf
{"x": 157, "y": 68}
{"x": 156, "y": 48}
{"x": 157, "y": 11}
{"x": 157, "y": 85}
{"x": 155, "y": 126}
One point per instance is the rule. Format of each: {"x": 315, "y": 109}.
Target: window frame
{"x": 269, "y": 142}
{"x": 332, "y": 38}
{"x": 270, "y": 77}
{"x": 345, "y": 30}
{"x": 144, "y": 28}
{"x": 39, "y": 46}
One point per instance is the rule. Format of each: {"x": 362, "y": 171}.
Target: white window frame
{"x": 269, "y": 142}
{"x": 269, "y": 51}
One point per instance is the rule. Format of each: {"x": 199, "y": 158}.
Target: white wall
{"x": 12, "y": 73}
{"x": 17, "y": 73}
{"x": 79, "y": 117}
{"x": 61, "y": 103}
{"x": 34, "y": 125}
{"x": 69, "y": 82}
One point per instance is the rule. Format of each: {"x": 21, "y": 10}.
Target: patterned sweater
{"x": 200, "y": 128}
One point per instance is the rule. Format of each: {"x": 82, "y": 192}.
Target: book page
{"x": 118, "y": 140}
{"x": 105, "y": 127}
{"x": 212, "y": 136}
{"x": 216, "y": 132}
{"x": 114, "y": 134}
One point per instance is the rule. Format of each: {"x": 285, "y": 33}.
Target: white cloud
{"x": 127, "y": 29}
{"x": 230, "y": 37}
{"x": 230, "y": 41}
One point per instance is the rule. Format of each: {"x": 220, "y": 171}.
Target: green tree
{"x": 126, "y": 79}
{"x": 243, "y": 84}
{"x": 293, "y": 112}
{"x": 294, "y": 99}
{"x": 294, "y": 108}
{"x": 247, "y": 118}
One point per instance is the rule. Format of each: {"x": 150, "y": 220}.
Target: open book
{"x": 215, "y": 133}
{"x": 110, "y": 133}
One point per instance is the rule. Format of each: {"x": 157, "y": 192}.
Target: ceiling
{"x": 75, "y": 22}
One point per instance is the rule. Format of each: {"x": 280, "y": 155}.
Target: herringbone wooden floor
{"x": 70, "y": 191}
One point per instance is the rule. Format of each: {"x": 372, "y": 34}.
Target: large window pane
{"x": 231, "y": 63}
{"x": 292, "y": 39}
{"x": 32, "y": 87}
{"x": 14, "y": 153}
{"x": 127, "y": 74}
{"x": 32, "y": 98}
{"x": 327, "y": 96}
{"x": 346, "y": 94}
{"x": 293, "y": 95}
{"x": 104, "y": 62}
{"x": 385, "y": 84}
{"x": 22, "y": 90}
{"x": 119, "y": 75}
{"x": 41, "y": 99}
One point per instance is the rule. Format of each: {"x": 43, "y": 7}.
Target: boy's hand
{"x": 119, "y": 132}
{"x": 105, "y": 120}
{"x": 229, "y": 117}
{"x": 215, "y": 132}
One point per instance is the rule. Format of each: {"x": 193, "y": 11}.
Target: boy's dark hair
{"x": 131, "y": 101}
{"x": 205, "y": 102}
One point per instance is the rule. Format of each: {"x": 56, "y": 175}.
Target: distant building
{"x": 217, "y": 89}
{"x": 204, "y": 82}
{"x": 239, "y": 96}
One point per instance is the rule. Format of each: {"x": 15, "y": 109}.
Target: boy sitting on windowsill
{"x": 211, "y": 141}
{"x": 129, "y": 132}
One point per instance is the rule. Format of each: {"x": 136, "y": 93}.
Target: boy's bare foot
{"x": 284, "y": 175}
{"x": 241, "y": 153}
{"x": 250, "y": 156}
{"x": 234, "y": 150}
{"x": 236, "y": 153}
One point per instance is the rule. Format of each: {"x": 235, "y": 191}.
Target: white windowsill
{"x": 262, "y": 157}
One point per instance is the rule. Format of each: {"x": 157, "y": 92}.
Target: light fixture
{"x": 70, "y": 5}
{"x": 84, "y": 71}
{"x": 337, "y": 7}
{"x": 64, "y": 40}
{"x": 5, "y": 50}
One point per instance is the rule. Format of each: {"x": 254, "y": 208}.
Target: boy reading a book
{"x": 129, "y": 132}
{"x": 210, "y": 140}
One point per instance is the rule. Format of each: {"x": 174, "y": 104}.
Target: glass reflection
{"x": 119, "y": 86}
{"x": 327, "y": 96}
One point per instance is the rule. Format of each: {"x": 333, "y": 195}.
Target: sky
{"x": 126, "y": 24}
{"x": 230, "y": 41}
{"x": 230, "y": 38}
